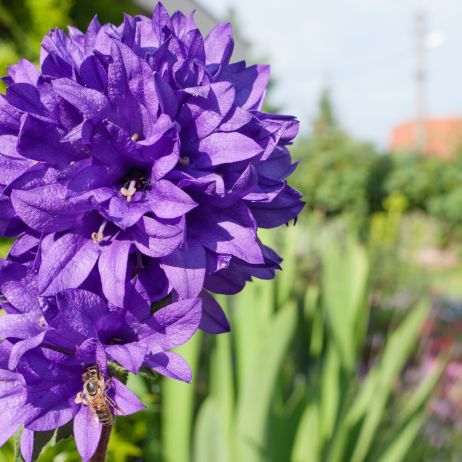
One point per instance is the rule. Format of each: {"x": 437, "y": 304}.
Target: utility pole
{"x": 420, "y": 77}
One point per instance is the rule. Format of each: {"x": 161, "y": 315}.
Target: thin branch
{"x": 100, "y": 454}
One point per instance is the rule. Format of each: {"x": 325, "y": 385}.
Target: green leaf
{"x": 306, "y": 447}
{"x": 401, "y": 443}
{"x": 117, "y": 371}
{"x": 411, "y": 417}
{"x": 16, "y": 446}
{"x": 209, "y": 442}
{"x": 421, "y": 394}
{"x": 5, "y": 245}
{"x": 42, "y": 441}
{"x": 330, "y": 394}
{"x": 344, "y": 283}
{"x": 286, "y": 279}
{"x": 396, "y": 353}
{"x": 259, "y": 383}
{"x": 178, "y": 407}
{"x": 149, "y": 374}
{"x": 222, "y": 388}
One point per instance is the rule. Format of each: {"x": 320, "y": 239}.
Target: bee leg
{"x": 113, "y": 404}
{"x": 109, "y": 384}
{"x": 80, "y": 399}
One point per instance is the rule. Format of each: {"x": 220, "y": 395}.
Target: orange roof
{"x": 443, "y": 137}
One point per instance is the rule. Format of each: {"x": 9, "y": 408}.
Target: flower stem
{"x": 100, "y": 454}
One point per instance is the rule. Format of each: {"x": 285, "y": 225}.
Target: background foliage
{"x": 351, "y": 354}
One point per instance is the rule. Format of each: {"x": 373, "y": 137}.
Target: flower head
{"x": 41, "y": 396}
{"x": 140, "y": 150}
{"x": 81, "y": 324}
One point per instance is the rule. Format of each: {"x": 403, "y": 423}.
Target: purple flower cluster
{"x": 136, "y": 167}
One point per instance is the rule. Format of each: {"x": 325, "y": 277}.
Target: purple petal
{"x": 54, "y": 418}
{"x": 160, "y": 19}
{"x": 154, "y": 280}
{"x": 9, "y": 117}
{"x": 24, "y": 72}
{"x": 92, "y": 177}
{"x": 26, "y": 98}
{"x": 93, "y": 74}
{"x": 175, "y": 325}
{"x": 91, "y": 103}
{"x": 126, "y": 214}
{"x": 112, "y": 267}
{"x": 219, "y": 46}
{"x": 168, "y": 201}
{"x": 137, "y": 299}
{"x": 225, "y": 148}
{"x": 27, "y": 444}
{"x": 285, "y": 207}
{"x": 231, "y": 232}
{"x": 213, "y": 320}
{"x": 81, "y": 310}
{"x": 127, "y": 401}
{"x": 250, "y": 84}
{"x": 23, "y": 246}
{"x": 185, "y": 268}
{"x": 171, "y": 365}
{"x": 20, "y": 326}
{"x": 19, "y": 286}
{"x": 202, "y": 115}
{"x": 130, "y": 356}
{"x": 158, "y": 239}
{"x": 228, "y": 281}
{"x": 167, "y": 98}
{"x": 46, "y": 209}
{"x": 67, "y": 263}
{"x": 22, "y": 347}
{"x": 41, "y": 141}
{"x": 87, "y": 432}
{"x": 235, "y": 120}
{"x": 10, "y": 168}
{"x": 12, "y": 418}
{"x": 91, "y": 351}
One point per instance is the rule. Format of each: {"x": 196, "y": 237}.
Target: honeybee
{"x": 94, "y": 395}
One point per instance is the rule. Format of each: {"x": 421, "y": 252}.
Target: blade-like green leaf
{"x": 255, "y": 398}
{"x": 330, "y": 394}
{"x": 344, "y": 281}
{"x": 400, "y": 445}
{"x": 16, "y": 445}
{"x": 209, "y": 443}
{"x": 222, "y": 388}
{"x": 286, "y": 279}
{"x": 396, "y": 353}
{"x": 306, "y": 447}
{"x": 5, "y": 245}
{"x": 410, "y": 418}
{"x": 178, "y": 406}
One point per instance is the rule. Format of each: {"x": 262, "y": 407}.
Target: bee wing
{"x": 113, "y": 404}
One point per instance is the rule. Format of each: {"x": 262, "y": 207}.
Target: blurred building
{"x": 441, "y": 137}
{"x": 204, "y": 20}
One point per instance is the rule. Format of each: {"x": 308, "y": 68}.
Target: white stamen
{"x": 135, "y": 137}
{"x": 130, "y": 192}
{"x": 99, "y": 236}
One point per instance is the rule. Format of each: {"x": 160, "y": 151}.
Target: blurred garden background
{"x": 354, "y": 352}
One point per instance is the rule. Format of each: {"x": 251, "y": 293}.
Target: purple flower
{"x": 82, "y": 324}
{"x": 42, "y": 395}
{"x": 141, "y": 153}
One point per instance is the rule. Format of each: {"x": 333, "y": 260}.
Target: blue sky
{"x": 362, "y": 49}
